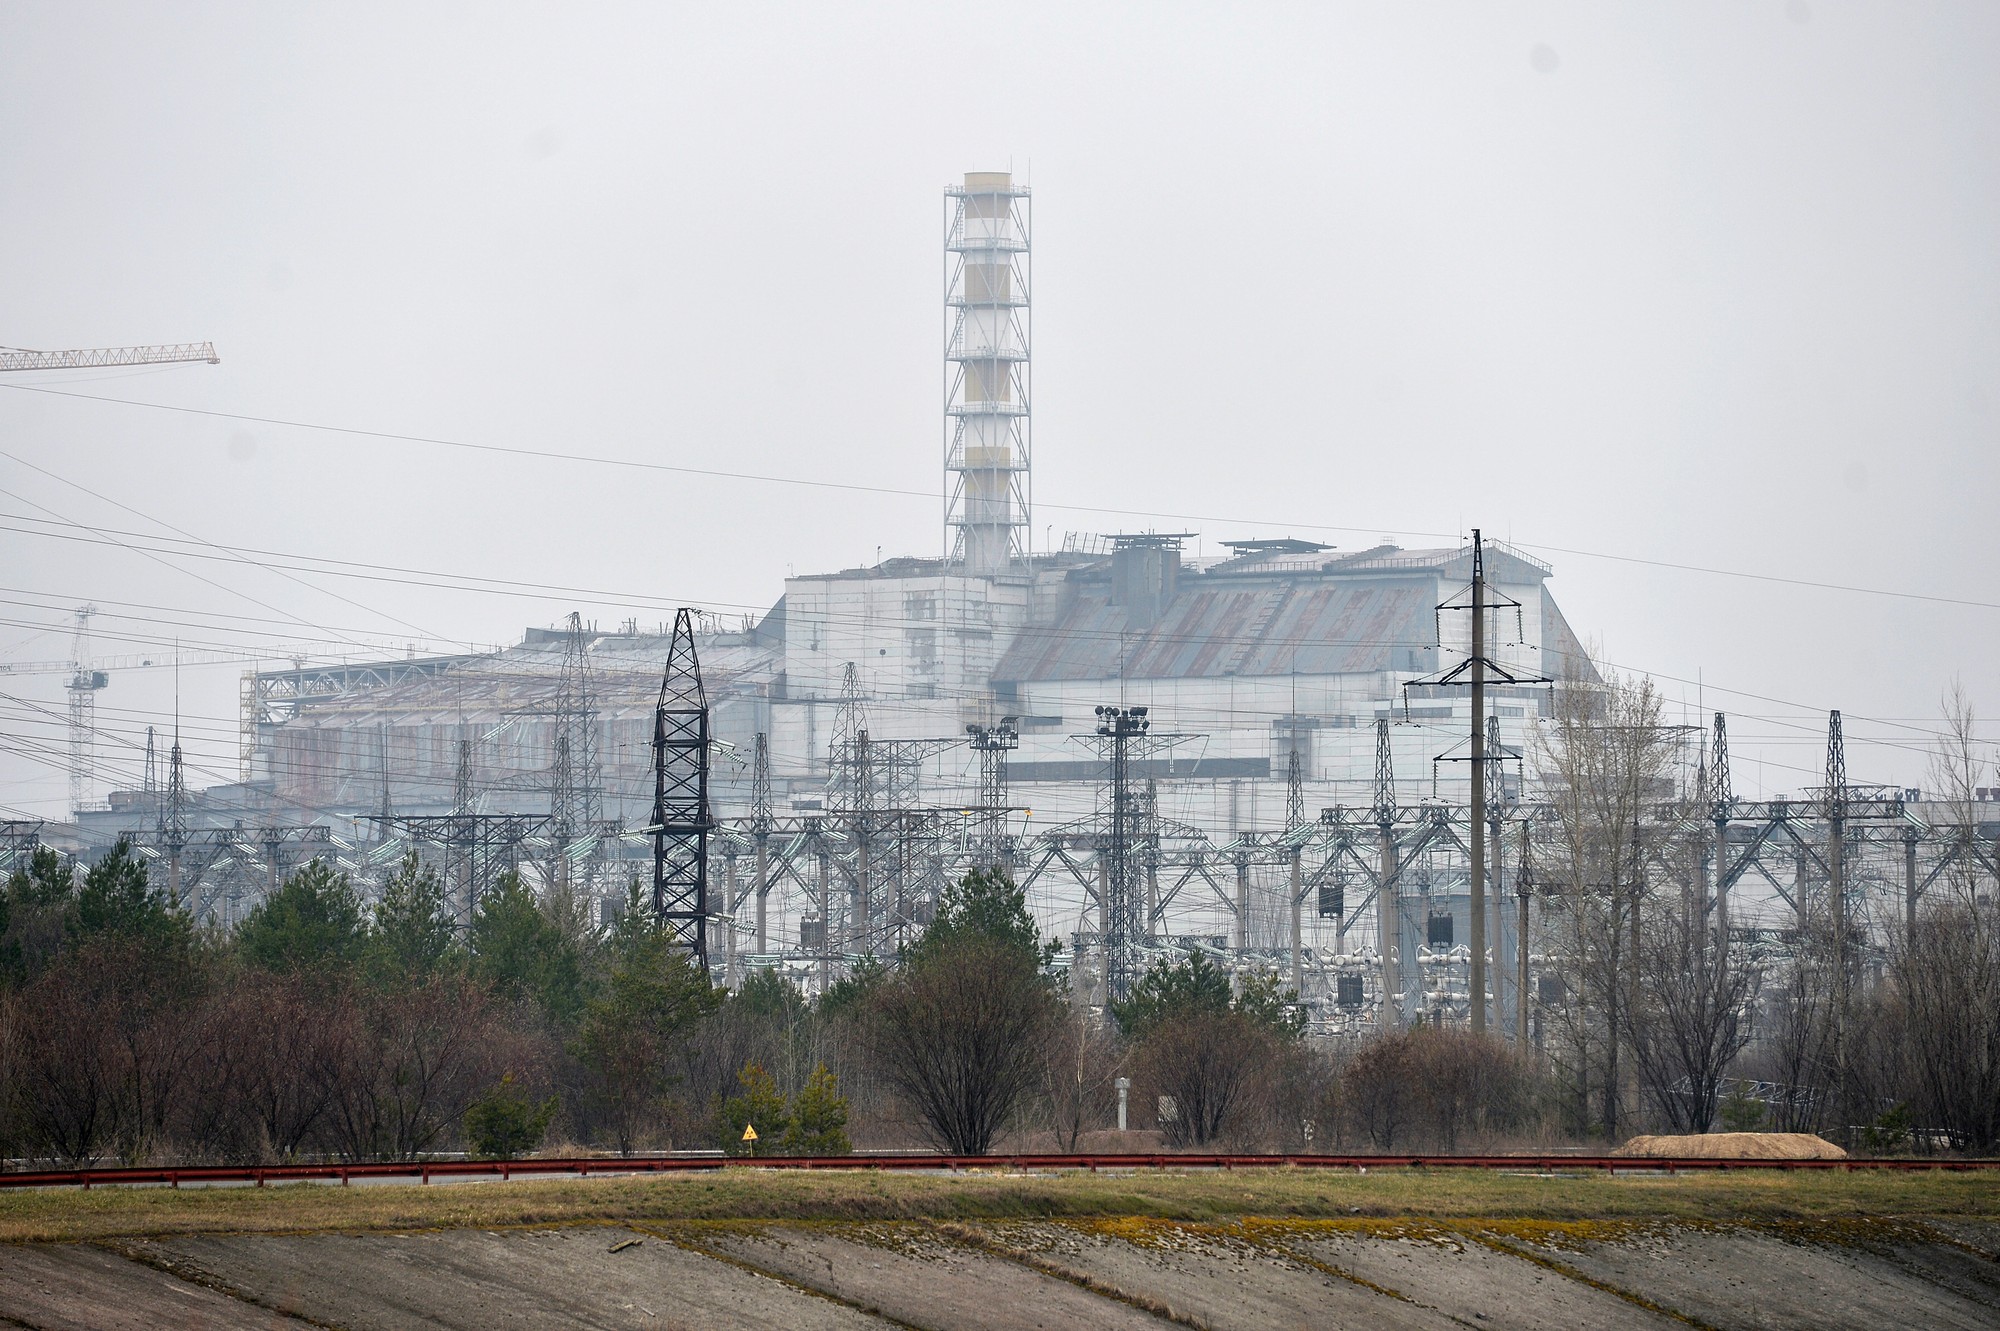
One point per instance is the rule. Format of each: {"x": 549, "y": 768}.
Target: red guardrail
{"x": 424, "y": 1171}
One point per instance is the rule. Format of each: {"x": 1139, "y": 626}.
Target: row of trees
{"x": 318, "y": 1026}
{"x": 1651, "y": 1005}
{"x": 323, "y": 1025}
{"x": 975, "y": 1036}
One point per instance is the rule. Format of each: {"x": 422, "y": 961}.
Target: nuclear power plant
{"x": 1294, "y": 757}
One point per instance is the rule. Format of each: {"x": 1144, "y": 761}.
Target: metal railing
{"x": 429, "y": 1171}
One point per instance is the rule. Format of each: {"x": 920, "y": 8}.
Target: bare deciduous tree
{"x": 1378, "y": 1087}
{"x": 68, "y": 1069}
{"x": 1606, "y": 764}
{"x": 1214, "y": 1066}
{"x": 1692, "y": 1017}
{"x": 1079, "y": 1069}
{"x": 958, "y": 1035}
{"x": 412, "y": 1061}
{"x": 1949, "y": 972}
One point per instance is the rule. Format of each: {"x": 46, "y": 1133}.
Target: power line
{"x": 458, "y": 582}
{"x": 182, "y": 531}
{"x": 930, "y": 496}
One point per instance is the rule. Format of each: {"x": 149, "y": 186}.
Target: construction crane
{"x": 87, "y": 676}
{"x": 178, "y": 353}
{"x": 171, "y": 657}
{"x": 84, "y": 682}
{"x": 84, "y": 678}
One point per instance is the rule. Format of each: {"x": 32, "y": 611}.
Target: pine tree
{"x": 760, "y": 1105}
{"x": 818, "y": 1123}
{"x": 313, "y": 921}
{"x": 414, "y": 934}
{"x": 524, "y": 954}
{"x": 117, "y": 901}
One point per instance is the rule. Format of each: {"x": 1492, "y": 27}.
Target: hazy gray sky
{"x": 1705, "y": 284}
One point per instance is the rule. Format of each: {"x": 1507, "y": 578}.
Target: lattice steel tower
{"x": 987, "y": 380}
{"x": 681, "y": 819}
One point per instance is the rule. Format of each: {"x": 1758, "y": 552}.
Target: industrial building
{"x": 879, "y": 728}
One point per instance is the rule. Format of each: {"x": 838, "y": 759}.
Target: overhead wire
{"x": 540, "y": 591}
{"x": 464, "y": 582}
{"x": 931, "y": 496}
{"x": 525, "y": 590}
{"x": 184, "y": 533}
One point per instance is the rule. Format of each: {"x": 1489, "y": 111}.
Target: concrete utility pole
{"x": 1836, "y": 896}
{"x": 1492, "y": 813}
{"x": 1523, "y": 886}
{"x": 1476, "y": 843}
{"x": 1476, "y": 670}
{"x": 1724, "y": 806}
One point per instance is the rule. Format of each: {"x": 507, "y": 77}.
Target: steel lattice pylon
{"x": 681, "y": 821}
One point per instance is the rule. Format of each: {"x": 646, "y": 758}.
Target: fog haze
{"x": 1708, "y": 285}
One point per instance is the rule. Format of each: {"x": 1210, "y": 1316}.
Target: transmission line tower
{"x": 1388, "y": 896}
{"x": 1836, "y": 902}
{"x": 174, "y": 816}
{"x": 681, "y": 821}
{"x": 149, "y": 787}
{"x": 1722, "y": 803}
{"x": 762, "y": 823}
{"x": 575, "y": 795}
{"x": 1121, "y": 725}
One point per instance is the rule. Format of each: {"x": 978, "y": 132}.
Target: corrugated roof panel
{"x": 1209, "y": 631}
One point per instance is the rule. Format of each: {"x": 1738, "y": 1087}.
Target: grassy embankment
{"x": 1286, "y": 1194}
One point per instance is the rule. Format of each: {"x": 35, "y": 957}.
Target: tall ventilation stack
{"x": 987, "y": 435}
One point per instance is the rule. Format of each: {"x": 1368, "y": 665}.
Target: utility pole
{"x": 1477, "y": 670}
{"x": 1476, "y": 843}
{"x": 1493, "y": 812}
{"x": 1523, "y": 888}
{"x": 1295, "y": 818}
{"x": 1836, "y": 898}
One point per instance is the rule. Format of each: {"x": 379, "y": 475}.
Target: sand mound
{"x": 1735, "y": 1146}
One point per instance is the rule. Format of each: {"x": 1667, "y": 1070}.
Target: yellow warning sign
{"x": 749, "y": 1132}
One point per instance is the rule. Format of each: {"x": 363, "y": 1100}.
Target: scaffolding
{"x": 988, "y": 282}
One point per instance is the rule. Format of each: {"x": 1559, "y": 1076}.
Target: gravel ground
{"x": 1475, "y": 1283}
{"x": 1070, "y": 1275}
{"x": 1729, "y": 1277}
